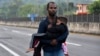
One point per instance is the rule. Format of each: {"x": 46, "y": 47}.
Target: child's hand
{"x": 29, "y": 50}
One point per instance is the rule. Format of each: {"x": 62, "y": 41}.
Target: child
{"x": 53, "y": 31}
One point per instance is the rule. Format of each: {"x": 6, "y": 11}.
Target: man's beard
{"x": 52, "y": 14}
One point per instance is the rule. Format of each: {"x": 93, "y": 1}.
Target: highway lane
{"x": 89, "y": 45}
{"x": 15, "y": 40}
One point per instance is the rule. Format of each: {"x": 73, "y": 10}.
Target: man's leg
{"x": 48, "y": 53}
{"x": 56, "y": 53}
{"x": 59, "y": 53}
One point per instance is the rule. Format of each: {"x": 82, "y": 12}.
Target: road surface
{"x": 14, "y": 41}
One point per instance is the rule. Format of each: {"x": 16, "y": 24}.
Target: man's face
{"x": 52, "y": 9}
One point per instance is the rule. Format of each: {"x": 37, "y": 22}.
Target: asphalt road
{"x": 14, "y": 41}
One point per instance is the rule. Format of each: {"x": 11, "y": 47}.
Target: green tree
{"x": 66, "y": 8}
{"x": 26, "y": 9}
{"x": 71, "y": 6}
{"x": 13, "y": 8}
{"x": 42, "y": 10}
{"x": 4, "y": 10}
{"x": 94, "y": 7}
{"x": 62, "y": 8}
{"x": 31, "y": 9}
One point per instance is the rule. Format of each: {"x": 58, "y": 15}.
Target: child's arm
{"x": 31, "y": 42}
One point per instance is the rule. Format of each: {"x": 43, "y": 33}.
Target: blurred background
{"x": 16, "y": 15}
{"x": 22, "y": 8}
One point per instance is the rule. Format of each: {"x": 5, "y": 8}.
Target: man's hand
{"x": 49, "y": 26}
{"x": 54, "y": 42}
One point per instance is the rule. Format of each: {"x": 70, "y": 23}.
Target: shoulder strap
{"x": 55, "y": 21}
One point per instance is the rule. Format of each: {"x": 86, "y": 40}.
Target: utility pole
{"x": 67, "y": 5}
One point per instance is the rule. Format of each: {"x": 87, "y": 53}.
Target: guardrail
{"x": 83, "y": 23}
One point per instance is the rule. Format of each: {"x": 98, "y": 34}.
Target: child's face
{"x": 58, "y": 22}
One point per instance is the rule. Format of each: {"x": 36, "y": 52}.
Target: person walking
{"x": 50, "y": 47}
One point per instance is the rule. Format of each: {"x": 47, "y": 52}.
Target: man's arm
{"x": 42, "y": 29}
{"x": 60, "y": 39}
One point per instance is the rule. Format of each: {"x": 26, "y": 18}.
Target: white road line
{"x": 15, "y": 31}
{"x": 74, "y": 44}
{"x": 29, "y": 34}
{"x": 9, "y": 50}
{"x": 21, "y": 32}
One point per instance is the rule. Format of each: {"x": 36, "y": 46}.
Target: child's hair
{"x": 63, "y": 19}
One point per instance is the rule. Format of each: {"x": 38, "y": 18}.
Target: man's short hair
{"x": 63, "y": 19}
{"x": 49, "y": 4}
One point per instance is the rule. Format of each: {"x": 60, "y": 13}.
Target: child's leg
{"x": 37, "y": 49}
{"x": 64, "y": 46}
{"x": 36, "y": 44}
{"x": 33, "y": 44}
{"x": 34, "y": 41}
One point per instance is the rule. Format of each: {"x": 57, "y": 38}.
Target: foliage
{"x": 26, "y": 9}
{"x": 94, "y": 7}
{"x": 20, "y": 8}
{"x": 65, "y": 9}
{"x": 31, "y": 9}
{"x": 71, "y": 6}
{"x": 62, "y": 7}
